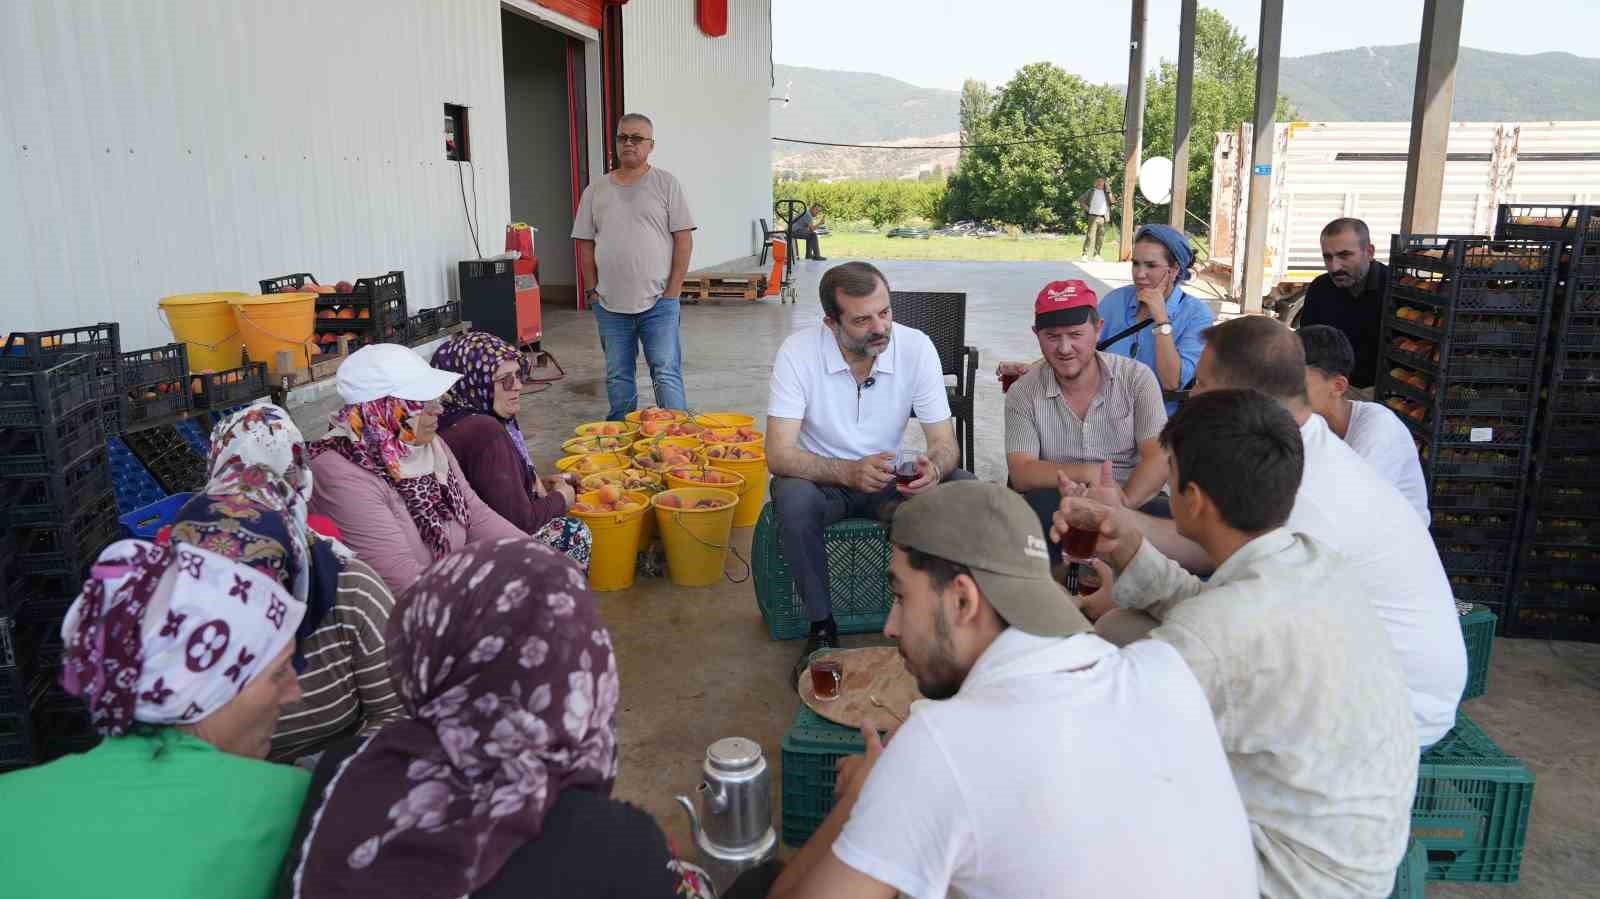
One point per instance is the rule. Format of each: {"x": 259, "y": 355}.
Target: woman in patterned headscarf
{"x": 480, "y": 424}
{"x": 183, "y": 659}
{"x": 498, "y": 783}
{"x": 254, "y": 510}
{"x": 393, "y": 488}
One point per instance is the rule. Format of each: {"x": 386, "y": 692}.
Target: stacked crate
{"x": 102, "y": 342}
{"x": 374, "y": 311}
{"x": 1462, "y": 352}
{"x": 60, "y": 511}
{"x": 1557, "y": 592}
{"x": 157, "y": 385}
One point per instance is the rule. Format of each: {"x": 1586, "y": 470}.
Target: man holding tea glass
{"x": 1081, "y": 409}
{"x": 841, "y": 395}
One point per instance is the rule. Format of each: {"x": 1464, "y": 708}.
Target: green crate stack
{"x": 1471, "y": 808}
{"x": 811, "y": 750}
{"x": 1478, "y": 624}
{"x": 1411, "y": 879}
{"x": 858, "y": 577}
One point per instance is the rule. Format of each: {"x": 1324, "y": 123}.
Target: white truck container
{"x": 1324, "y": 170}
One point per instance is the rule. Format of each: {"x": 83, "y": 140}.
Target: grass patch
{"x": 973, "y": 249}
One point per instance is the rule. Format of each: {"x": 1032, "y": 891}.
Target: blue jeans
{"x": 620, "y": 336}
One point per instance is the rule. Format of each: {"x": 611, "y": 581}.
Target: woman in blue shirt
{"x": 1171, "y": 346}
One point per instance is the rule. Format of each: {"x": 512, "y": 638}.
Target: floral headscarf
{"x": 510, "y": 686}
{"x": 168, "y": 635}
{"x": 377, "y": 436}
{"x": 475, "y": 355}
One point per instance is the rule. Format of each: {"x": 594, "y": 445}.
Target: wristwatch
{"x": 591, "y": 293}
{"x": 1164, "y": 328}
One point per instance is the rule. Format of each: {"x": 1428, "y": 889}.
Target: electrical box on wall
{"x": 457, "y": 146}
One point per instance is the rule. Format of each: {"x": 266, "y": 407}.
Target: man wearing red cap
{"x": 1080, "y": 410}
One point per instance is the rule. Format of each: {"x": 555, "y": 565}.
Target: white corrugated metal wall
{"x": 153, "y": 148}
{"x": 708, "y": 100}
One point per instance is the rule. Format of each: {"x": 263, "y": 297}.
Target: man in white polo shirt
{"x": 1045, "y": 761}
{"x": 840, "y": 396}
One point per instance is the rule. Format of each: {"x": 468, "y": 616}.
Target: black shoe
{"x": 817, "y": 258}
{"x": 820, "y": 640}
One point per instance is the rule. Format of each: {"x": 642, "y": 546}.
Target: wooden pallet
{"x": 724, "y": 285}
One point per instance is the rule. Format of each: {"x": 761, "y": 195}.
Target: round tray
{"x": 870, "y": 671}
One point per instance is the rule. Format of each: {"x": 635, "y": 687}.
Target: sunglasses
{"x": 633, "y": 139}
{"x": 509, "y": 382}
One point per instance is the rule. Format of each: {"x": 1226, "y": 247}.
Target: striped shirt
{"x": 346, "y": 681}
{"x": 1126, "y": 410}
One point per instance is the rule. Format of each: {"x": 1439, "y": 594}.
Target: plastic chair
{"x": 943, "y": 317}
{"x": 767, "y": 234}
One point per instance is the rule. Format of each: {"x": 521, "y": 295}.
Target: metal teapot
{"x": 733, "y": 827}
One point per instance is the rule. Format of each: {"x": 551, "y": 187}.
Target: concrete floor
{"x": 697, "y": 664}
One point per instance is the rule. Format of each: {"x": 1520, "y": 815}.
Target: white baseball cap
{"x": 388, "y": 369}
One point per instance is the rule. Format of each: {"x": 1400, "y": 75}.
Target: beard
{"x": 868, "y": 345}
{"x": 940, "y": 675}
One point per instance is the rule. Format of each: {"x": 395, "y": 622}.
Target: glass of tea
{"x": 827, "y": 675}
{"x": 905, "y": 467}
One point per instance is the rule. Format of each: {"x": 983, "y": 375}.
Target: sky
{"x": 940, "y": 43}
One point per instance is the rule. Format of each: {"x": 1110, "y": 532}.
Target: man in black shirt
{"x": 1350, "y": 296}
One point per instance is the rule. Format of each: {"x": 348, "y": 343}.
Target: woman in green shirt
{"x": 183, "y": 658}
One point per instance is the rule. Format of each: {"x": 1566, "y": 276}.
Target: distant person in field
{"x": 1096, "y": 203}
{"x": 1350, "y": 296}
{"x": 635, "y": 236}
{"x": 1371, "y": 429}
{"x": 804, "y": 227}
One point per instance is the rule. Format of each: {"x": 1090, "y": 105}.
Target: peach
{"x": 610, "y": 493}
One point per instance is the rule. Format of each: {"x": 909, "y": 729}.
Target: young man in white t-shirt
{"x": 1045, "y": 762}
{"x": 842, "y": 392}
{"x": 1344, "y": 503}
{"x": 1372, "y": 429}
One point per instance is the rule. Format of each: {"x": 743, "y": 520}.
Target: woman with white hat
{"x": 383, "y": 475}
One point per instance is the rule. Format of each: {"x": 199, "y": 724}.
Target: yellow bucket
{"x": 730, "y": 437}
{"x": 677, "y": 415}
{"x": 692, "y": 444}
{"x": 642, "y": 459}
{"x": 754, "y": 472}
{"x": 590, "y": 463}
{"x": 615, "y": 549}
{"x": 602, "y": 428}
{"x": 737, "y": 484}
{"x": 273, "y": 322}
{"x": 205, "y": 321}
{"x": 595, "y": 443}
{"x": 676, "y": 428}
{"x": 725, "y": 420}
{"x": 696, "y": 540}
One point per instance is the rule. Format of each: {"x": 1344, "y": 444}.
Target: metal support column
{"x": 1133, "y": 122}
{"x": 1180, "y": 131}
{"x": 1263, "y": 136}
{"x": 1430, "y": 114}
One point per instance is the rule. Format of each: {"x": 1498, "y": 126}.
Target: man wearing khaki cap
{"x": 1046, "y": 762}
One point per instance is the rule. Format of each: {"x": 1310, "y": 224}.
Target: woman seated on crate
{"x": 253, "y": 510}
{"x": 393, "y": 488}
{"x": 185, "y": 680}
{"x": 498, "y": 782}
{"x": 480, "y": 424}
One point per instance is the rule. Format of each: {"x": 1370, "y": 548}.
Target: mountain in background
{"x": 1369, "y": 84}
{"x": 1374, "y": 84}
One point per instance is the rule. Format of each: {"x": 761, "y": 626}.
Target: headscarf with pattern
{"x": 475, "y": 356}
{"x": 510, "y": 686}
{"x": 170, "y": 634}
{"x": 378, "y": 437}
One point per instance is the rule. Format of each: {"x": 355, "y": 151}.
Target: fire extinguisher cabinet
{"x": 489, "y": 297}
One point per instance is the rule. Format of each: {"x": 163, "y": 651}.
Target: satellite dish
{"x": 1155, "y": 180}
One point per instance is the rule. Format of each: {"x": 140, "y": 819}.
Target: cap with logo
{"x": 1064, "y": 303}
{"x": 991, "y": 530}
{"x": 388, "y": 369}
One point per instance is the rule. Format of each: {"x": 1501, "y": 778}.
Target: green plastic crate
{"x": 1471, "y": 809}
{"x": 858, "y": 578}
{"x": 1411, "y": 880}
{"x": 1477, "y": 630}
{"x": 811, "y": 750}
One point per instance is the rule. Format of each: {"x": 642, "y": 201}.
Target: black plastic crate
{"x": 1472, "y": 494}
{"x": 1571, "y": 464}
{"x": 1571, "y": 498}
{"x": 46, "y": 448}
{"x": 1475, "y": 558}
{"x": 1475, "y": 256}
{"x": 49, "y": 497}
{"x": 449, "y": 314}
{"x": 175, "y": 464}
{"x": 1544, "y": 221}
{"x": 70, "y": 546}
{"x": 1492, "y": 364}
{"x": 1487, "y": 590}
{"x": 1579, "y": 622}
{"x": 102, "y": 341}
{"x": 157, "y": 365}
{"x": 62, "y": 725}
{"x": 1487, "y": 430}
{"x": 41, "y": 615}
{"x": 1483, "y": 398}
{"x": 1488, "y": 330}
{"x": 287, "y": 283}
{"x": 1457, "y": 526}
{"x": 1571, "y": 432}
{"x": 155, "y": 407}
{"x": 33, "y": 396}
{"x": 1572, "y": 563}
{"x": 1576, "y": 398}
{"x": 234, "y": 387}
{"x": 1480, "y": 462}
{"x": 422, "y": 327}
{"x": 1565, "y": 529}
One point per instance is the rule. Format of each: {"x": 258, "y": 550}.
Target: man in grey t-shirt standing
{"x": 634, "y": 234}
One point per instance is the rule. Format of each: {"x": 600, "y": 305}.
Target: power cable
{"x": 1009, "y": 143}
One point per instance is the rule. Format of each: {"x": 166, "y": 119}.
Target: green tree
{"x": 976, "y": 101}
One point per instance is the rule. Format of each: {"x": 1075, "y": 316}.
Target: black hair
{"x": 853, "y": 279}
{"x": 942, "y": 572}
{"x": 1363, "y": 233}
{"x": 1258, "y": 353}
{"x": 1244, "y": 450}
{"x": 1328, "y": 350}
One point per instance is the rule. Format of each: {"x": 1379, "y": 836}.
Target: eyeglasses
{"x": 633, "y": 139}
{"x": 509, "y": 382}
